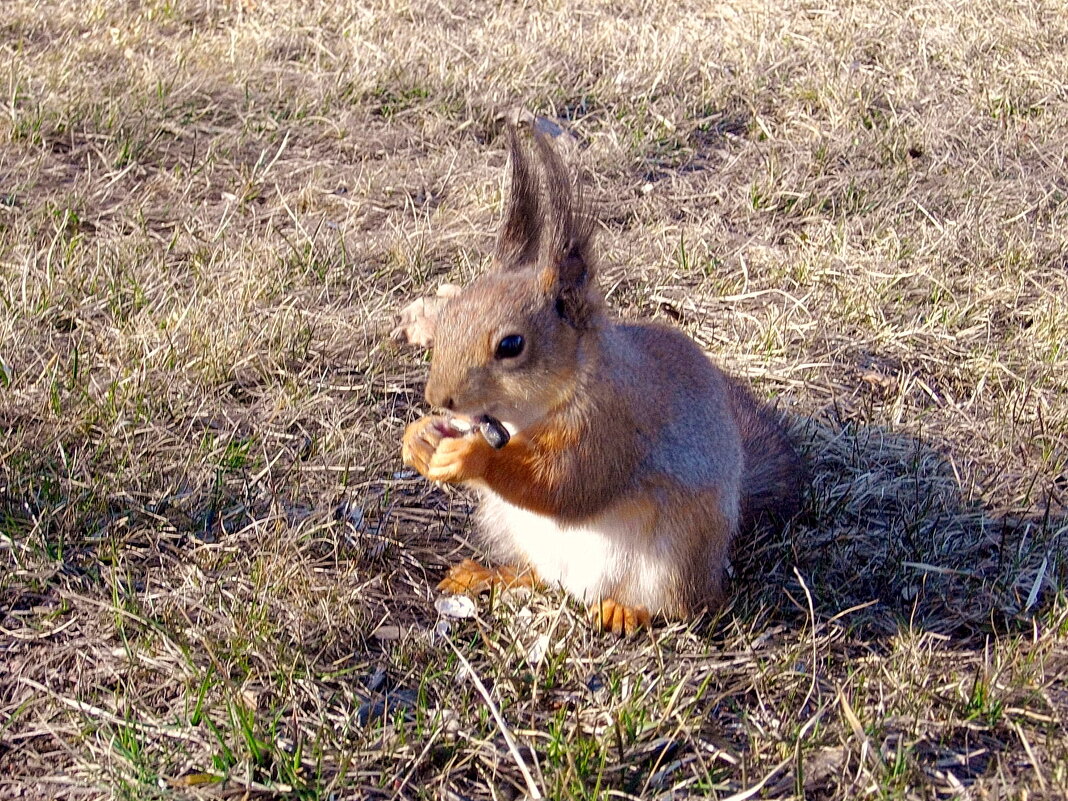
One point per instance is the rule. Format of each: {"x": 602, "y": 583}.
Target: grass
{"x": 216, "y": 578}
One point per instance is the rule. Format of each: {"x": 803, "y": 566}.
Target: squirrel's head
{"x": 510, "y": 345}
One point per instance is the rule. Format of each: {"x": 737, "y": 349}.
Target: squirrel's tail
{"x": 774, "y": 478}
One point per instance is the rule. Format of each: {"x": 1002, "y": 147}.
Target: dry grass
{"x": 217, "y": 585}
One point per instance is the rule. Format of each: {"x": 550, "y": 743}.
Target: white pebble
{"x": 457, "y": 606}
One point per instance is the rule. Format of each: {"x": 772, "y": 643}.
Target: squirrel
{"x": 630, "y": 460}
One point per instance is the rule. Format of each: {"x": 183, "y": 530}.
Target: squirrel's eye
{"x": 509, "y": 347}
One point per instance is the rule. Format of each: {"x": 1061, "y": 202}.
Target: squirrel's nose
{"x": 435, "y": 397}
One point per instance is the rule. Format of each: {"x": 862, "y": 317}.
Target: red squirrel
{"x": 630, "y": 460}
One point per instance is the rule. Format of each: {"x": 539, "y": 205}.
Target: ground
{"x": 217, "y": 578}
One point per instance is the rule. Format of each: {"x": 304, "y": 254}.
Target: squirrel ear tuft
{"x": 519, "y": 241}
{"x": 568, "y": 252}
{"x": 547, "y": 225}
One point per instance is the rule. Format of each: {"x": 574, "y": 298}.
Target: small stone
{"x": 455, "y": 606}
{"x": 450, "y": 724}
{"x": 537, "y": 650}
{"x": 387, "y": 633}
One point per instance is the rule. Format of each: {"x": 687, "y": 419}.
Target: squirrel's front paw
{"x": 458, "y": 459}
{"x": 421, "y": 439}
{"x": 434, "y": 448}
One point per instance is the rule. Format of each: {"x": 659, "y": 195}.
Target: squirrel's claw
{"x": 610, "y": 615}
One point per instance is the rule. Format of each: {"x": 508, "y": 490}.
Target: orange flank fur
{"x": 527, "y": 472}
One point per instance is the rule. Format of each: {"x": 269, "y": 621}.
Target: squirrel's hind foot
{"x": 611, "y": 616}
{"x": 471, "y": 578}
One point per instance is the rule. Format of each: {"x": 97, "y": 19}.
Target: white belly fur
{"x": 615, "y": 555}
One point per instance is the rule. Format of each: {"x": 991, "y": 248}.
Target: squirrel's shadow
{"x": 888, "y": 532}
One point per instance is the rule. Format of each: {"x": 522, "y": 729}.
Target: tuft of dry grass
{"x": 216, "y": 577}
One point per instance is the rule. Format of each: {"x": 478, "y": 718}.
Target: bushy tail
{"x": 775, "y": 477}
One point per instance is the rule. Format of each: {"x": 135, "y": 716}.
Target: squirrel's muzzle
{"x": 437, "y": 395}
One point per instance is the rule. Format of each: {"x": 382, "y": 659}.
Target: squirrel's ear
{"x": 568, "y": 255}
{"x": 569, "y": 272}
{"x": 519, "y": 241}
